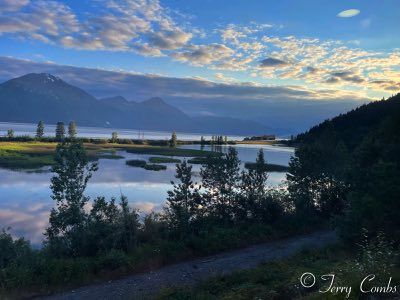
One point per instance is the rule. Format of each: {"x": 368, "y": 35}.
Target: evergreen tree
{"x": 184, "y": 201}
{"x": 60, "y": 131}
{"x": 173, "y": 141}
{"x": 221, "y": 178}
{"x": 40, "y": 130}
{"x": 72, "y": 129}
{"x": 114, "y": 137}
{"x": 66, "y": 231}
{"x": 128, "y": 226}
{"x": 255, "y": 202}
{"x": 10, "y": 133}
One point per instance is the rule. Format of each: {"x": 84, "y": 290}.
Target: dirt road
{"x": 146, "y": 285}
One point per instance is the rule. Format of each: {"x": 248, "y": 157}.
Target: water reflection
{"x": 25, "y": 200}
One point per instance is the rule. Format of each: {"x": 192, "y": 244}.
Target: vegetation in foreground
{"x": 354, "y": 185}
{"x": 111, "y": 238}
{"x": 281, "y": 279}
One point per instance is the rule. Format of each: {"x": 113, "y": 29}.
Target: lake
{"x": 97, "y": 132}
{"x": 25, "y": 201}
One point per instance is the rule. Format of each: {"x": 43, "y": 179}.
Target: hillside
{"x": 354, "y": 126}
{"x": 35, "y": 97}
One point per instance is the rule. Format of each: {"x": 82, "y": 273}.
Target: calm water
{"x": 25, "y": 196}
{"x": 97, "y": 132}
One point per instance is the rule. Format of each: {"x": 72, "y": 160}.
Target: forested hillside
{"x": 352, "y": 127}
{"x": 349, "y": 167}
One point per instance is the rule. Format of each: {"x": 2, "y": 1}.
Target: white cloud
{"x": 12, "y": 5}
{"x": 148, "y": 28}
{"x": 348, "y": 13}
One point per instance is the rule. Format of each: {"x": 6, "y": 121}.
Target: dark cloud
{"x": 272, "y": 62}
{"x": 311, "y": 70}
{"x": 345, "y": 76}
{"x": 388, "y": 85}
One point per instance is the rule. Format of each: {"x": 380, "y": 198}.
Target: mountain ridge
{"x": 42, "y": 96}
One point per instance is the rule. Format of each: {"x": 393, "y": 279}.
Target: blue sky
{"x": 325, "y": 50}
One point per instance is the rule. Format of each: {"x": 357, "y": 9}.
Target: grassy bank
{"x": 165, "y": 151}
{"x": 35, "y": 154}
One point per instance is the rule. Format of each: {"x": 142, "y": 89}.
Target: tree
{"x": 72, "y": 129}
{"x": 221, "y": 178}
{"x": 202, "y": 140}
{"x": 60, "y": 131}
{"x": 10, "y": 133}
{"x": 253, "y": 187}
{"x": 114, "y": 137}
{"x": 184, "y": 201}
{"x": 40, "y": 130}
{"x": 66, "y": 231}
{"x": 173, "y": 141}
{"x": 128, "y": 226}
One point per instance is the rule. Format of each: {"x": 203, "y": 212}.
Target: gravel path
{"x": 146, "y": 285}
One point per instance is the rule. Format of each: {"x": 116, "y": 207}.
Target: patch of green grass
{"x": 162, "y": 160}
{"x": 110, "y": 156}
{"x": 198, "y": 160}
{"x": 165, "y": 151}
{"x": 154, "y": 167}
{"x": 17, "y": 161}
{"x": 268, "y": 167}
{"x": 138, "y": 163}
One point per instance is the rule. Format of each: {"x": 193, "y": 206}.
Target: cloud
{"x": 348, "y": 13}
{"x": 12, "y": 5}
{"x": 200, "y": 55}
{"x": 169, "y": 40}
{"x": 150, "y": 29}
{"x": 348, "y": 76}
{"x": 226, "y": 79}
{"x": 272, "y": 62}
{"x": 131, "y": 25}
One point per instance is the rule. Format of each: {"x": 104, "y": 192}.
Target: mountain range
{"x": 45, "y": 97}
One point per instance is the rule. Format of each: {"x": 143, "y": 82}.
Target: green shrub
{"x": 112, "y": 260}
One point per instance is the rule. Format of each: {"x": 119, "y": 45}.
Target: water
{"x": 25, "y": 200}
{"x": 97, "y": 132}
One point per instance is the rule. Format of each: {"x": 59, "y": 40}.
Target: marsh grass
{"x": 162, "y": 160}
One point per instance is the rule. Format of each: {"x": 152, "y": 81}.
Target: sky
{"x": 308, "y": 59}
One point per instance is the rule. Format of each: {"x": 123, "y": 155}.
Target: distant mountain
{"x": 354, "y": 126}
{"x": 35, "y": 97}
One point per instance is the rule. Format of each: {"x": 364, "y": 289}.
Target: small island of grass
{"x": 138, "y": 163}
{"x": 163, "y": 160}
